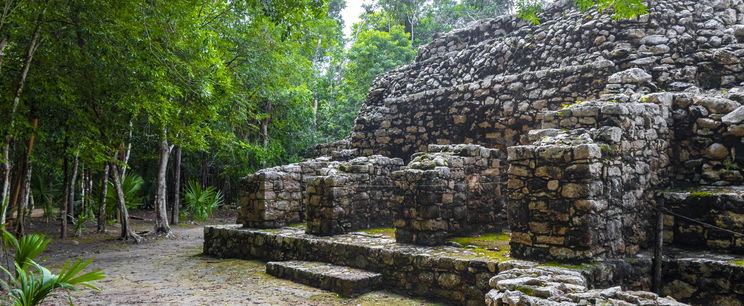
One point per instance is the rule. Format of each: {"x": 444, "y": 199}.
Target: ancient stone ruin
{"x": 571, "y": 136}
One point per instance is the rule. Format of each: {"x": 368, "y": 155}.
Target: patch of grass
{"x": 525, "y": 290}
{"x": 488, "y": 241}
{"x": 567, "y": 266}
{"x": 298, "y": 225}
{"x": 495, "y": 246}
{"x": 607, "y": 149}
{"x": 701, "y": 194}
{"x": 385, "y": 231}
{"x": 738, "y": 262}
{"x": 730, "y": 166}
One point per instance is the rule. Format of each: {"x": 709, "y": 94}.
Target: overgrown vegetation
{"x": 201, "y": 202}
{"x": 29, "y": 283}
{"x": 620, "y": 9}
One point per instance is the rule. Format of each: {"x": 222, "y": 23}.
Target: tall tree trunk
{"x": 176, "y": 187}
{"x": 20, "y": 224}
{"x": 161, "y": 214}
{"x": 24, "y": 181}
{"x": 101, "y": 216}
{"x": 71, "y": 196}
{"x": 33, "y": 45}
{"x": 5, "y": 192}
{"x": 63, "y": 209}
{"x": 83, "y": 190}
{"x": 126, "y": 231}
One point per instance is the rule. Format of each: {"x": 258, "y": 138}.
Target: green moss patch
{"x": 487, "y": 241}
{"x": 385, "y": 231}
{"x": 494, "y": 246}
{"x": 567, "y": 266}
{"x": 738, "y": 262}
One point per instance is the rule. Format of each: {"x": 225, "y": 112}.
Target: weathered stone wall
{"x": 528, "y": 284}
{"x": 327, "y": 149}
{"x": 588, "y": 193}
{"x": 489, "y": 83}
{"x": 448, "y": 191}
{"x": 721, "y": 206}
{"x": 354, "y": 195}
{"x": 708, "y": 148}
{"x": 273, "y": 197}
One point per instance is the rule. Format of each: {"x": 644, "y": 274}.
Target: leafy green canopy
{"x": 621, "y": 9}
{"x": 373, "y": 53}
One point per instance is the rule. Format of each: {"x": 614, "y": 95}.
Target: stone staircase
{"x": 346, "y": 281}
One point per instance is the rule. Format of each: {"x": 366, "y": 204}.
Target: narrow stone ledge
{"x": 346, "y": 281}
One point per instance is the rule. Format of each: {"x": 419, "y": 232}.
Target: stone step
{"x": 346, "y": 281}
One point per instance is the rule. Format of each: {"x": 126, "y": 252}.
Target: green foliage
{"x": 528, "y": 10}
{"x": 373, "y": 52}
{"x": 31, "y": 286}
{"x": 131, "y": 185}
{"x": 27, "y": 249}
{"x": 622, "y": 9}
{"x": 201, "y": 202}
{"x": 47, "y": 191}
{"x": 32, "y": 283}
{"x": 81, "y": 220}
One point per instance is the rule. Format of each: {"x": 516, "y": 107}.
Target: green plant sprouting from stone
{"x": 621, "y": 9}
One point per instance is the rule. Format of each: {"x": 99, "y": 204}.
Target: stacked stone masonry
{"x": 488, "y": 84}
{"x": 719, "y": 206}
{"x": 448, "y": 191}
{"x": 354, "y": 195}
{"x": 526, "y": 283}
{"x": 596, "y": 116}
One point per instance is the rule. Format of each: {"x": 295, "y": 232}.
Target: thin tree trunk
{"x": 161, "y": 214}
{"x": 126, "y": 231}
{"x": 83, "y": 191}
{"x": 21, "y": 182}
{"x": 3, "y": 44}
{"x": 127, "y": 152}
{"x": 176, "y": 187}
{"x": 20, "y": 224}
{"x": 71, "y": 201}
{"x": 4, "y": 193}
{"x": 33, "y": 45}
{"x": 101, "y": 217}
{"x": 66, "y": 180}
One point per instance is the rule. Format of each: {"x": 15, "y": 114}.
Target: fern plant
{"x": 201, "y": 202}
{"x": 31, "y": 282}
{"x": 131, "y": 185}
{"x": 27, "y": 249}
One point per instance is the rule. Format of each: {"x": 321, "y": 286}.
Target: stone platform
{"x": 446, "y": 273}
{"x": 461, "y": 274}
{"x": 347, "y": 282}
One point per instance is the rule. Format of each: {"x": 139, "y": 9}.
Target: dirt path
{"x": 173, "y": 272}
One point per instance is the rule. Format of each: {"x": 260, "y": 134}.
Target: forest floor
{"x": 174, "y": 272}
